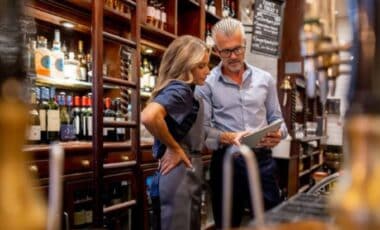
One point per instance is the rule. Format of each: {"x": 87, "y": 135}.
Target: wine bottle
{"x": 34, "y": 130}
{"x": 53, "y": 119}
{"x": 120, "y": 116}
{"x": 109, "y": 115}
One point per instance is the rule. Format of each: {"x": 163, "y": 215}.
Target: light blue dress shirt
{"x": 233, "y": 108}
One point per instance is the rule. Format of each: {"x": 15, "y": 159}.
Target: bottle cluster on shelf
{"x": 119, "y": 6}
{"x": 58, "y": 62}
{"x": 68, "y": 117}
{"x": 156, "y": 14}
{"x": 149, "y": 73}
{"x": 228, "y": 8}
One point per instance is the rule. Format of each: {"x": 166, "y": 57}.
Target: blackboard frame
{"x": 281, "y": 3}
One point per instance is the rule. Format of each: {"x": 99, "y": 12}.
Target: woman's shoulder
{"x": 178, "y": 88}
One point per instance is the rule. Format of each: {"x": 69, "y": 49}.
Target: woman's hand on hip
{"x": 172, "y": 158}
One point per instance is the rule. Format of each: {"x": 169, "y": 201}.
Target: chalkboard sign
{"x": 267, "y": 27}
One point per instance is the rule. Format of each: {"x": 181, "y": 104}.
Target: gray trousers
{"x": 180, "y": 197}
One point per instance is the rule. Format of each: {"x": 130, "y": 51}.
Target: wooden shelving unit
{"x": 93, "y": 165}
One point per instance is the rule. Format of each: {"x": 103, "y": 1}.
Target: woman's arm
{"x": 153, "y": 118}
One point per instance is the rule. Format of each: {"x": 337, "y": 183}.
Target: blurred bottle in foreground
{"x": 21, "y": 206}
{"x": 356, "y": 202}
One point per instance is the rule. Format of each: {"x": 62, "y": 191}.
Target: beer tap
{"x": 310, "y": 36}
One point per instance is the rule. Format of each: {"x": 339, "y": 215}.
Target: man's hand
{"x": 270, "y": 140}
{"x": 172, "y": 158}
{"x": 232, "y": 138}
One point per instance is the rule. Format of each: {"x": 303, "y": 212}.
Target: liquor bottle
{"x": 82, "y": 62}
{"x": 43, "y": 108}
{"x": 211, "y": 7}
{"x": 232, "y": 9}
{"x": 163, "y": 17}
{"x": 64, "y": 50}
{"x": 42, "y": 58}
{"x": 30, "y": 64}
{"x": 53, "y": 123}
{"x": 89, "y": 116}
{"x": 157, "y": 14}
{"x": 120, "y": 116}
{"x": 34, "y": 129}
{"x": 56, "y": 57}
{"x": 209, "y": 40}
{"x": 76, "y": 114}
{"x": 89, "y": 67}
{"x": 109, "y": 115}
{"x": 150, "y": 14}
{"x": 71, "y": 68}
{"x": 84, "y": 118}
{"x": 226, "y": 8}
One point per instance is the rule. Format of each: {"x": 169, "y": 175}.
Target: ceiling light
{"x": 67, "y": 24}
{"x": 148, "y": 51}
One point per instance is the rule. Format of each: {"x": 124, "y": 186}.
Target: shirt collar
{"x": 247, "y": 73}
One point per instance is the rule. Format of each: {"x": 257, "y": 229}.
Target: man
{"x": 239, "y": 97}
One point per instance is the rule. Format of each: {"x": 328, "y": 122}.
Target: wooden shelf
{"x": 78, "y": 146}
{"x": 191, "y": 3}
{"x": 308, "y": 139}
{"x": 127, "y": 124}
{"x": 311, "y": 169}
{"x": 213, "y": 18}
{"x": 303, "y": 156}
{"x": 161, "y": 36}
{"x": 83, "y": 201}
{"x": 120, "y": 40}
{"x": 108, "y": 11}
{"x": 119, "y": 82}
{"x": 117, "y": 207}
{"x": 66, "y": 83}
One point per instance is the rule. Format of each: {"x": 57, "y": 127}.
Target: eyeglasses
{"x": 225, "y": 53}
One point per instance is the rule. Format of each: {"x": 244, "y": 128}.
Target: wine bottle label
{"x": 83, "y": 73}
{"x": 67, "y": 132}
{"x": 89, "y": 216}
{"x": 53, "y": 120}
{"x": 77, "y": 124}
{"x": 43, "y": 119}
{"x": 120, "y": 130}
{"x": 42, "y": 63}
{"x": 89, "y": 125}
{"x": 34, "y": 133}
{"x": 79, "y": 217}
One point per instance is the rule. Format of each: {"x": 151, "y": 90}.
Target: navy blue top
{"x": 178, "y": 99}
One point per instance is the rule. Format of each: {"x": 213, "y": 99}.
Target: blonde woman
{"x": 175, "y": 118}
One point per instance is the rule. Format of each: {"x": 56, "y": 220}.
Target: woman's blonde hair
{"x": 182, "y": 55}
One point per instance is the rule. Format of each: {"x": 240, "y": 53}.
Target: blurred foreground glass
{"x": 356, "y": 201}
{"x": 22, "y": 206}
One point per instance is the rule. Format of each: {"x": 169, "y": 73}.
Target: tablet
{"x": 254, "y": 138}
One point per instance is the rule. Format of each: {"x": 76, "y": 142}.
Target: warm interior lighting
{"x": 148, "y": 51}
{"x": 67, "y": 24}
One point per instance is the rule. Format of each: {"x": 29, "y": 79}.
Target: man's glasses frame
{"x": 225, "y": 53}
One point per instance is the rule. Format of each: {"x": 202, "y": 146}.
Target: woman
{"x": 175, "y": 118}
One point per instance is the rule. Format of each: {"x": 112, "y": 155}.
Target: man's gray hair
{"x": 228, "y": 27}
